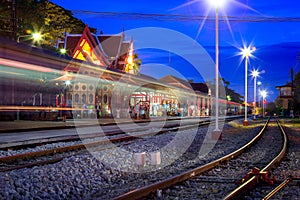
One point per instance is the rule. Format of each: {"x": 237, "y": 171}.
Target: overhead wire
{"x": 181, "y": 17}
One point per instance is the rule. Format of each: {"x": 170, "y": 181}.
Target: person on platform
{"x": 137, "y": 110}
{"x": 64, "y": 112}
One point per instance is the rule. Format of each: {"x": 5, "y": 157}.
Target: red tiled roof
{"x": 110, "y": 45}
{"x": 124, "y": 48}
{"x": 72, "y": 42}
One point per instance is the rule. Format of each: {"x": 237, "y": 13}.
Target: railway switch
{"x": 261, "y": 176}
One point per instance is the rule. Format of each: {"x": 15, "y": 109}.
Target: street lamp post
{"x": 217, "y": 4}
{"x": 246, "y": 52}
{"x": 263, "y": 93}
{"x": 35, "y": 36}
{"x": 254, "y": 74}
{"x": 258, "y": 85}
{"x": 217, "y": 69}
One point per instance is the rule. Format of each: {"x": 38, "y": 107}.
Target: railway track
{"x": 94, "y": 132}
{"x": 219, "y": 179}
{"x": 49, "y": 156}
{"x": 86, "y": 176}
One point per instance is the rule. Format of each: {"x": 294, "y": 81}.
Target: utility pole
{"x": 292, "y": 77}
{"x": 13, "y": 20}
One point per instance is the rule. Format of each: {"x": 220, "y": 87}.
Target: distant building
{"x": 286, "y": 96}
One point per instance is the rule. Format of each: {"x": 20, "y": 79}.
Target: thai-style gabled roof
{"x": 70, "y": 43}
{"x": 124, "y": 50}
{"x": 111, "y": 45}
{"x": 87, "y": 48}
{"x": 106, "y": 50}
{"x": 125, "y": 47}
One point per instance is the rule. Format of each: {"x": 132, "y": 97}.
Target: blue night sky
{"x": 277, "y": 41}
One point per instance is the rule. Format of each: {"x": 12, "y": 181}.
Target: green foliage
{"x": 234, "y": 96}
{"x": 297, "y": 92}
{"x": 5, "y": 18}
{"x": 29, "y": 17}
{"x": 137, "y": 64}
{"x": 42, "y": 16}
{"x": 57, "y": 21}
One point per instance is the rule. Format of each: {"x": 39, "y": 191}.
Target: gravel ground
{"x": 219, "y": 182}
{"x": 290, "y": 166}
{"x": 83, "y": 176}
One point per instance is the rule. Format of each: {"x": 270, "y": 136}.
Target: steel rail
{"x": 55, "y": 160}
{"x": 251, "y": 183}
{"x": 279, "y": 187}
{"x": 47, "y": 140}
{"x": 146, "y": 190}
{"x": 171, "y": 127}
{"x": 30, "y": 155}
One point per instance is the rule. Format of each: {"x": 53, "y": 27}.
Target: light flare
{"x": 36, "y": 37}
{"x": 263, "y": 93}
{"x": 255, "y": 73}
{"x": 217, "y": 5}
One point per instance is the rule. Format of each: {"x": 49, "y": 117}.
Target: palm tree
{"x": 134, "y": 66}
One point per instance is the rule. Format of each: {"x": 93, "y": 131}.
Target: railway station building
{"x": 96, "y": 78}
{"x": 103, "y": 84}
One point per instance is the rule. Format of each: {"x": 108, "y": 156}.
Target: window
{"x": 83, "y": 98}
{"x": 105, "y": 99}
{"x": 76, "y": 98}
{"x": 91, "y": 98}
{"x": 105, "y": 88}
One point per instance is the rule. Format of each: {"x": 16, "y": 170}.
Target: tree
{"x": 297, "y": 92}
{"x": 234, "y": 96}
{"x": 57, "y": 21}
{"x": 5, "y": 18}
{"x": 137, "y": 63}
{"x": 133, "y": 65}
{"x": 29, "y": 17}
{"x": 42, "y": 16}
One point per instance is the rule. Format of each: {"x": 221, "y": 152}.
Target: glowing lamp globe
{"x": 254, "y": 73}
{"x": 68, "y": 82}
{"x": 63, "y": 51}
{"x": 129, "y": 60}
{"x": 217, "y": 3}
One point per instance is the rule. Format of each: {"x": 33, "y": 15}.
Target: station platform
{"x": 22, "y": 132}
{"x": 26, "y": 125}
